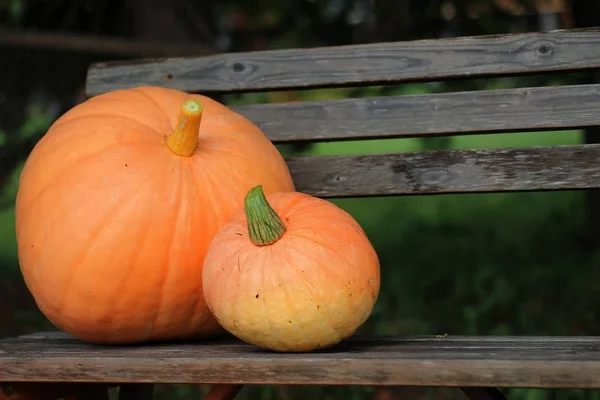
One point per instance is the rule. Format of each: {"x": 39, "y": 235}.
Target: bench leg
{"x": 223, "y": 392}
{"x": 136, "y": 391}
{"x": 483, "y": 393}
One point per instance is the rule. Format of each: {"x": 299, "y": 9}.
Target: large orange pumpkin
{"x": 118, "y": 203}
{"x": 291, "y": 272}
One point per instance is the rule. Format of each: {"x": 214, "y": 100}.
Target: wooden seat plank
{"x": 507, "y": 110}
{"x": 449, "y": 171}
{"x": 427, "y": 361}
{"x": 365, "y": 64}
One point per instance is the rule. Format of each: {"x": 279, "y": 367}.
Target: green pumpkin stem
{"x": 264, "y": 225}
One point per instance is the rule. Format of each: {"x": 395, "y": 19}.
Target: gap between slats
{"x": 449, "y": 171}
{"x": 364, "y": 64}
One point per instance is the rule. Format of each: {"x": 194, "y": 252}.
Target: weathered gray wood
{"x": 427, "y": 115}
{"x": 417, "y": 361}
{"x": 358, "y": 64}
{"x": 453, "y": 171}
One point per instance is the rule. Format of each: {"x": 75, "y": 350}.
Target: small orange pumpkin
{"x": 118, "y": 203}
{"x": 291, "y": 272}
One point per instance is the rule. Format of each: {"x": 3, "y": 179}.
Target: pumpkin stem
{"x": 264, "y": 225}
{"x": 184, "y": 139}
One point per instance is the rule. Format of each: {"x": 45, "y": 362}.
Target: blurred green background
{"x": 502, "y": 264}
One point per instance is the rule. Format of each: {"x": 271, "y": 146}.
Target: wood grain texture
{"x": 453, "y": 171}
{"x": 562, "y": 107}
{"x": 358, "y": 64}
{"x": 416, "y": 361}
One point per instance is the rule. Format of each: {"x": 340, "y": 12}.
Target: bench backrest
{"x": 456, "y": 171}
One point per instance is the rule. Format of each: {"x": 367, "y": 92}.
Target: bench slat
{"x": 507, "y": 110}
{"x": 358, "y": 64}
{"x": 449, "y": 171}
{"x": 429, "y": 361}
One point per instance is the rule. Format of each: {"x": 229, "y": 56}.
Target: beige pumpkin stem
{"x": 264, "y": 225}
{"x": 183, "y": 141}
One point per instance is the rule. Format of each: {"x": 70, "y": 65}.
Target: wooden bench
{"x": 476, "y": 364}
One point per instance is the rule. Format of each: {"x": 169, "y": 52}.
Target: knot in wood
{"x": 238, "y": 67}
{"x": 545, "y": 49}
{"x": 241, "y": 71}
{"x": 433, "y": 177}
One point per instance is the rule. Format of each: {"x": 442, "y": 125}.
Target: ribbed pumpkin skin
{"x": 112, "y": 227}
{"x": 311, "y": 289}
